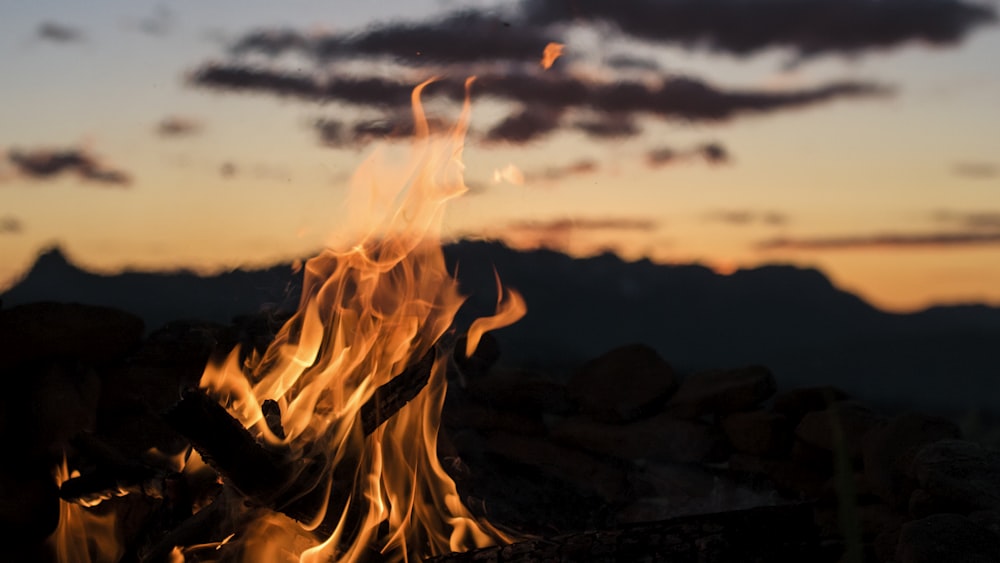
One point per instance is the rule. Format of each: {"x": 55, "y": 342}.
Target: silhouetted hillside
{"x": 790, "y": 319}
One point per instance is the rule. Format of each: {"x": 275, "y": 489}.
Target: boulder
{"x": 581, "y": 470}
{"x": 521, "y": 391}
{"x": 661, "y": 438}
{"x": 947, "y": 538}
{"x": 961, "y": 475}
{"x": 758, "y": 432}
{"x": 796, "y": 403}
{"x": 839, "y": 429}
{"x": 888, "y": 452}
{"x": 91, "y": 334}
{"x": 622, "y": 385}
{"x": 721, "y": 391}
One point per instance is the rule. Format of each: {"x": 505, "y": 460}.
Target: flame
{"x": 369, "y": 309}
{"x": 510, "y": 308}
{"x": 552, "y": 52}
{"x": 83, "y": 536}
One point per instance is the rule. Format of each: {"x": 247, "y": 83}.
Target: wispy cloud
{"x": 742, "y": 217}
{"x": 10, "y": 225}
{"x": 980, "y": 220}
{"x": 59, "y": 33}
{"x": 177, "y": 126}
{"x": 712, "y": 153}
{"x": 947, "y": 239}
{"x": 586, "y": 224}
{"x": 553, "y": 173}
{"x": 977, "y": 170}
{"x": 46, "y": 164}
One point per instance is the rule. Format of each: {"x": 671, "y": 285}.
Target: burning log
{"x": 769, "y": 533}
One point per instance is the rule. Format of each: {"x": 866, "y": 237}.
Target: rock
{"x": 947, "y": 538}
{"x": 721, "y": 391}
{"x": 661, "y": 438}
{"x": 521, "y": 391}
{"x": 796, "y": 403}
{"x": 885, "y": 544}
{"x": 888, "y": 452}
{"x": 989, "y": 519}
{"x": 581, "y": 470}
{"x": 669, "y": 490}
{"x": 622, "y": 385}
{"x": 850, "y": 419}
{"x": 786, "y": 476}
{"x": 29, "y": 509}
{"x": 91, "y": 334}
{"x": 475, "y": 415}
{"x": 962, "y": 475}
{"x": 758, "y": 432}
{"x": 185, "y": 343}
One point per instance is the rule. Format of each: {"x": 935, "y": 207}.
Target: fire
{"x": 368, "y": 311}
{"x": 552, "y": 52}
{"x": 83, "y": 536}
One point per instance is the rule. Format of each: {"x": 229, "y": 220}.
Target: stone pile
{"x": 624, "y": 439}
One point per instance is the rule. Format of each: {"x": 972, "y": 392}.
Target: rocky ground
{"x": 623, "y": 440}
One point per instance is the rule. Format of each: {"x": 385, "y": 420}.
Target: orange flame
{"x": 83, "y": 536}
{"x": 368, "y": 310}
{"x": 552, "y": 52}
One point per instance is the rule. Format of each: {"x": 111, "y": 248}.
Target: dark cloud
{"x": 743, "y": 27}
{"x": 44, "y": 164}
{"x": 542, "y": 98}
{"x": 713, "y": 153}
{"x": 609, "y": 127}
{"x": 528, "y": 124}
{"x": 336, "y": 133}
{"x": 175, "y": 126}
{"x": 978, "y": 170}
{"x": 59, "y": 33}
{"x": 742, "y": 217}
{"x": 887, "y": 240}
{"x": 461, "y": 37}
{"x": 10, "y": 225}
{"x": 583, "y": 224}
{"x": 624, "y": 61}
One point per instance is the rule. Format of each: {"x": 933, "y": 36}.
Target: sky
{"x": 860, "y": 137}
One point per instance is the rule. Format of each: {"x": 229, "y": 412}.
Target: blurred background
{"x": 859, "y": 137}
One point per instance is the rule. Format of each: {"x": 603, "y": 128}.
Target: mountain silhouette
{"x": 791, "y": 319}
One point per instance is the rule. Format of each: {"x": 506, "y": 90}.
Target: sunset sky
{"x": 861, "y": 137}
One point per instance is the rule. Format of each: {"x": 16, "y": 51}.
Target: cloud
{"x": 623, "y": 61}
{"x": 552, "y": 173}
{"x": 44, "y": 164}
{"x": 10, "y": 225}
{"x": 977, "y": 170}
{"x": 713, "y": 153}
{"x": 742, "y": 217}
{"x": 583, "y": 224}
{"x": 608, "y": 127}
{"x": 175, "y": 126}
{"x": 336, "y": 133}
{"x": 524, "y": 126}
{"x": 59, "y": 33}
{"x": 745, "y": 27}
{"x": 462, "y": 37}
{"x": 159, "y": 23}
{"x": 948, "y": 239}
{"x": 542, "y": 98}
{"x": 988, "y": 220}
